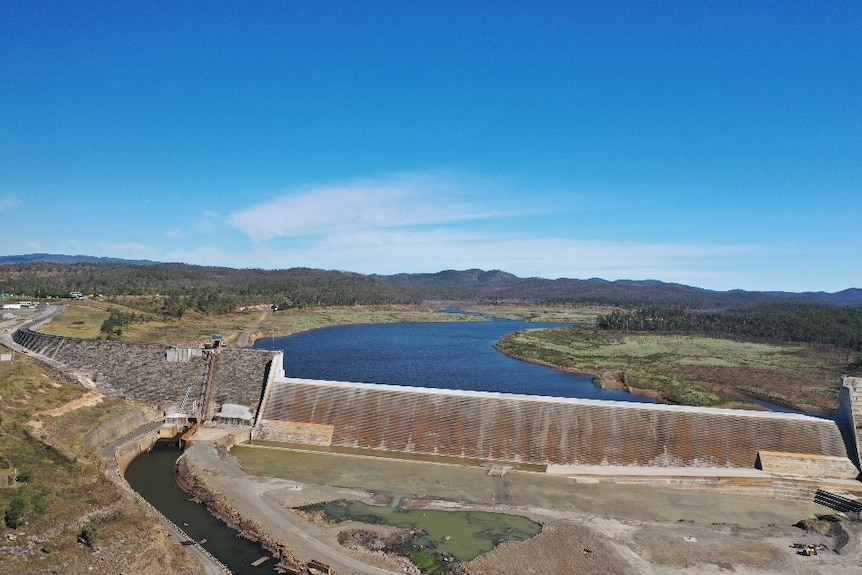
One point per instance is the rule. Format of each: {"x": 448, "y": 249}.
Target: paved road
{"x": 23, "y": 321}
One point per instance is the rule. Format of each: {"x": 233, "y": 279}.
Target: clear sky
{"x": 715, "y": 144}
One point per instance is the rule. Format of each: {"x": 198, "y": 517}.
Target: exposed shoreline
{"x": 598, "y": 381}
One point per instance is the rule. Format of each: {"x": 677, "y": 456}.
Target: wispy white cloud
{"x": 208, "y": 222}
{"x": 411, "y": 251}
{"x": 9, "y": 202}
{"x": 415, "y": 223}
{"x": 386, "y": 203}
{"x": 396, "y": 251}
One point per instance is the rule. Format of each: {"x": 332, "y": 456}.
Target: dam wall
{"x": 148, "y": 372}
{"x": 473, "y": 425}
{"x": 241, "y": 374}
{"x": 532, "y": 429}
{"x": 849, "y": 416}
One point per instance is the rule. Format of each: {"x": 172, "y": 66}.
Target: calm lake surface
{"x": 445, "y": 355}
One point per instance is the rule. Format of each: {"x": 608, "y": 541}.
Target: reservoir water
{"x": 444, "y": 355}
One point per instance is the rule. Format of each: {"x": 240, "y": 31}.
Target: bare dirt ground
{"x": 87, "y": 400}
{"x": 572, "y": 540}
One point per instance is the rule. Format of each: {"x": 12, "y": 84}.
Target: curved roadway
{"x": 10, "y": 326}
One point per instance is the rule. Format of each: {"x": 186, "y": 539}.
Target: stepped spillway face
{"x": 240, "y": 375}
{"x": 532, "y": 429}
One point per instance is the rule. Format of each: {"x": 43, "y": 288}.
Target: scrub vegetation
{"x": 691, "y": 369}
{"x": 61, "y": 513}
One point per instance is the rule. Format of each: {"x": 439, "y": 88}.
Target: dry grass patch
{"x": 85, "y": 319}
{"x": 61, "y": 487}
{"x": 195, "y": 329}
{"x": 82, "y": 321}
{"x": 691, "y": 370}
{"x": 542, "y": 314}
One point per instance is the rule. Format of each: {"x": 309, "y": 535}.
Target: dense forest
{"x": 817, "y": 324}
{"x": 208, "y": 290}
{"x": 41, "y": 275}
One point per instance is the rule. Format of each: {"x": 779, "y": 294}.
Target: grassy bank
{"x": 84, "y": 319}
{"x": 60, "y": 512}
{"x": 690, "y": 370}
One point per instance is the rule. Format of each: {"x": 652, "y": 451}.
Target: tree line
{"x": 816, "y": 324}
{"x": 207, "y": 290}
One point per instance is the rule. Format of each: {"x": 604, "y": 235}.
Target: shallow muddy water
{"x": 461, "y": 534}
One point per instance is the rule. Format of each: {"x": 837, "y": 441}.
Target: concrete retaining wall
{"x": 126, "y": 453}
{"x": 807, "y": 464}
{"x": 849, "y": 416}
{"x": 119, "y": 426}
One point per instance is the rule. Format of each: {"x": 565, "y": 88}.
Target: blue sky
{"x": 715, "y": 144}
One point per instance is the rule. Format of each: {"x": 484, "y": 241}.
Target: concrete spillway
{"x": 533, "y": 429}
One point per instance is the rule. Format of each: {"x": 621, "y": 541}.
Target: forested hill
{"x": 214, "y": 289}
{"x": 625, "y": 293}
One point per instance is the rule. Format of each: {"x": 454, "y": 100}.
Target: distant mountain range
{"x": 620, "y": 292}
{"x": 64, "y": 259}
{"x": 494, "y": 285}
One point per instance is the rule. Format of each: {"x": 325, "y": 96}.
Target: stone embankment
{"x": 142, "y": 371}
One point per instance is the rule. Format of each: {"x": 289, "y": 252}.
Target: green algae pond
{"x": 437, "y": 539}
{"x": 434, "y": 539}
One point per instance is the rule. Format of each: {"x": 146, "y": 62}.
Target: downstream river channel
{"x": 152, "y": 475}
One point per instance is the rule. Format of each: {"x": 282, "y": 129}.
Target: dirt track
{"x": 572, "y": 541}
